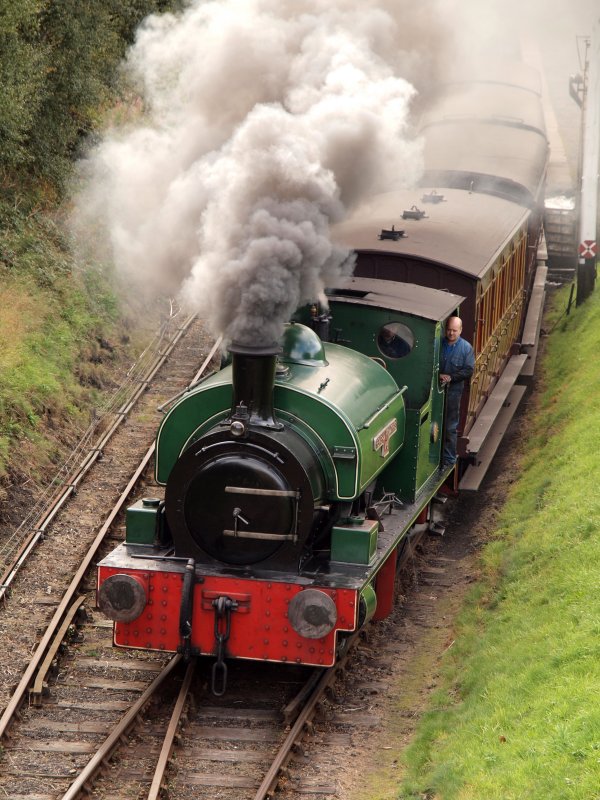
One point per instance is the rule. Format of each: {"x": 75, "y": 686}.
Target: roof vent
{"x": 433, "y": 197}
{"x": 413, "y": 213}
{"x": 391, "y": 234}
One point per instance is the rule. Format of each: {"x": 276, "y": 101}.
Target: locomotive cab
{"x": 400, "y": 325}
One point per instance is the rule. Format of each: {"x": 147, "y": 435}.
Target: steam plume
{"x": 264, "y": 121}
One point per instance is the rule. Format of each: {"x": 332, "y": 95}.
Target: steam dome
{"x": 301, "y": 345}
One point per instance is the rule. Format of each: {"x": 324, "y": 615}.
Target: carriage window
{"x": 395, "y": 340}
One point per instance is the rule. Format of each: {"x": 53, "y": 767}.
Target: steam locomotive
{"x": 294, "y": 475}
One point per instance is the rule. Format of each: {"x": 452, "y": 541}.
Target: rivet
{"x": 165, "y": 589}
{"x": 267, "y": 627}
{"x": 298, "y": 645}
{"x": 163, "y": 617}
{"x": 311, "y": 649}
{"x": 150, "y": 602}
{"x": 298, "y": 660}
{"x": 149, "y": 615}
{"x": 265, "y": 641}
{"x": 284, "y": 643}
{"x": 163, "y": 632}
{"x": 285, "y": 629}
{"x": 267, "y": 613}
{"x": 284, "y": 658}
{"x": 148, "y": 630}
{"x": 164, "y": 603}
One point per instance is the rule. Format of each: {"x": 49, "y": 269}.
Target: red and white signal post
{"x": 588, "y": 243}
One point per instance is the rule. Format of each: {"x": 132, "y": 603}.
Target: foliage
{"x": 515, "y": 717}
{"x": 59, "y": 64}
{"x": 49, "y": 318}
{"x": 23, "y": 61}
{"x": 59, "y": 73}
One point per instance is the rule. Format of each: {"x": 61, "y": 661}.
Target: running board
{"x": 535, "y": 308}
{"x": 475, "y": 473}
{"x": 533, "y": 322}
{"x": 482, "y": 429}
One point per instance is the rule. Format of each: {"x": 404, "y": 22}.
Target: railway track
{"x": 116, "y": 724}
{"x": 229, "y": 747}
{"x": 74, "y": 711}
{"x": 97, "y": 723}
{"x": 17, "y": 547}
{"x": 101, "y": 704}
{"x": 42, "y": 583}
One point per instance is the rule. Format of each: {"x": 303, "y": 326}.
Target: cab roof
{"x": 406, "y": 298}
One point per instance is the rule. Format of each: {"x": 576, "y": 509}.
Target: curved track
{"x": 83, "y": 707}
{"x": 40, "y": 596}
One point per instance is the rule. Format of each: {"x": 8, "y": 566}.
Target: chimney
{"x": 253, "y": 379}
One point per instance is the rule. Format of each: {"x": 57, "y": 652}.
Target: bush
{"x": 59, "y": 73}
{"x": 59, "y": 64}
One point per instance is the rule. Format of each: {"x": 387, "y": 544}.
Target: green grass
{"x": 51, "y": 318}
{"x": 518, "y": 716}
{"x": 61, "y": 81}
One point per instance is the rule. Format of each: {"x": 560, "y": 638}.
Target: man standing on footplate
{"x": 456, "y": 367}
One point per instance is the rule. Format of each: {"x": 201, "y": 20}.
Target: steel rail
{"x": 292, "y": 709}
{"x": 296, "y": 732}
{"x": 194, "y": 382}
{"x": 36, "y": 692}
{"x": 169, "y": 740}
{"x": 102, "y": 754}
{"x": 67, "y": 599}
{"x": 72, "y": 483}
{"x": 69, "y": 595}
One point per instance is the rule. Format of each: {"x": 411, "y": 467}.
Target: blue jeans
{"x": 452, "y": 417}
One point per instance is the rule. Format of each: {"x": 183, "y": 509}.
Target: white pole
{"x": 588, "y": 247}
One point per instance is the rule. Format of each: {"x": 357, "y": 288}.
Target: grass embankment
{"x": 54, "y": 357}
{"x": 518, "y": 716}
{"x": 59, "y": 61}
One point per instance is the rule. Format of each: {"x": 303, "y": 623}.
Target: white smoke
{"x": 264, "y": 121}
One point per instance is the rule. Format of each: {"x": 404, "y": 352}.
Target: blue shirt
{"x": 458, "y": 361}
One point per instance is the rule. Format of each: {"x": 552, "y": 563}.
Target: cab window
{"x": 395, "y": 340}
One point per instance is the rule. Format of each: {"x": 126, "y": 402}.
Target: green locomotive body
{"x": 338, "y": 401}
{"x": 293, "y": 478}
